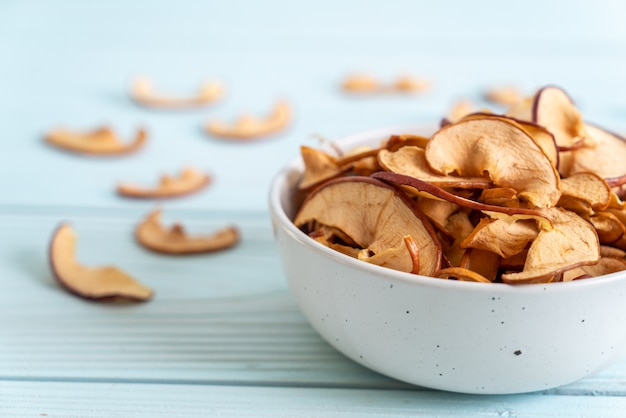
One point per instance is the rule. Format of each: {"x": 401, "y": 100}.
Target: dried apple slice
{"x": 603, "y": 153}
{"x": 503, "y": 150}
{"x": 101, "y": 141}
{"x": 360, "y": 83}
{"x": 249, "y": 127}
{"x": 501, "y": 237}
{"x": 318, "y": 167}
{"x": 375, "y": 226}
{"x": 506, "y": 95}
{"x": 555, "y": 110}
{"x": 587, "y": 187}
{"x": 410, "y": 84}
{"x": 572, "y": 242}
{"x": 410, "y": 161}
{"x": 189, "y": 181}
{"x": 438, "y": 192}
{"x": 106, "y": 283}
{"x": 174, "y": 240}
{"x": 142, "y": 93}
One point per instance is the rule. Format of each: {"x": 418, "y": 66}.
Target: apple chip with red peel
{"x": 500, "y": 196}
{"x": 500, "y": 149}
{"x": 555, "y": 110}
{"x": 603, "y": 153}
{"x": 410, "y": 161}
{"x": 100, "y": 142}
{"x": 438, "y": 192}
{"x": 249, "y": 127}
{"x": 572, "y": 242}
{"x": 106, "y": 283}
{"x": 189, "y": 181}
{"x": 174, "y": 240}
{"x": 606, "y": 265}
{"x": 142, "y": 93}
{"x": 377, "y": 226}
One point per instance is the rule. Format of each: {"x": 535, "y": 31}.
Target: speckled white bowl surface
{"x": 450, "y": 335}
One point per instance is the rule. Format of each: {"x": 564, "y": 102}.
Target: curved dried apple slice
{"x": 503, "y": 150}
{"x": 152, "y": 235}
{"x": 376, "y": 226}
{"x": 360, "y": 83}
{"x": 572, "y": 242}
{"x": 507, "y": 95}
{"x": 101, "y": 141}
{"x": 409, "y": 160}
{"x": 189, "y": 181}
{"x": 501, "y": 237}
{"x": 99, "y": 283}
{"x": 249, "y": 127}
{"x": 407, "y": 83}
{"x": 604, "y": 153}
{"x": 142, "y": 93}
{"x": 584, "y": 192}
{"x": 318, "y": 167}
{"x": 438, "y": 192}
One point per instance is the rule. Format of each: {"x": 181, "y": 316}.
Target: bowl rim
{"x": 278, "y": 213}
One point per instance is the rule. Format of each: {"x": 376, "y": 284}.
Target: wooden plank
{"x": 28, "y": 399}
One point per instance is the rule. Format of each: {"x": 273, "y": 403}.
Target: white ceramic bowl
{"x": 451, "y": 335}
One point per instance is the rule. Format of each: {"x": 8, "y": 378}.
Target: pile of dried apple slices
{"x": 531, "y": 196}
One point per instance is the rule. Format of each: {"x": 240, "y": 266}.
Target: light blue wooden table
{"x": 223, "y": 336}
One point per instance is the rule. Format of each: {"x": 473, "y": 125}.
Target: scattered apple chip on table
{"x": 188, "y": 181}
{"x": 106, "y": 283}
{"x": 101, "y": 141}
{"x": 366, "y": 84}
{"x": 151, "y": 234}
{"x": 529, "y": 198}
{"x": 143, "y": 93}
{"x": 249, "y": 127}
{"x": 507, "y": 95}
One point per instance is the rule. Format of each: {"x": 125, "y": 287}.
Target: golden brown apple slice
{"x": 189, "y": 181}
{"x": 174, "y": 240}
{"x": 482, "y": 262}
{"x": 249, "y": 127}
{"x": 555, "y": 110}
{"x": 584, "y": 193}
{"x": 101, "y": 141}
{"x": 438, "y": 192}
{"x": 360, "y": 83}
{"x": 505, "y": 95}
{"x": 603, "y": 153}
{"x": 410, "y": 84}
{"x": 99, "y": 283}
{"x": 142, "y": 93}
{"x": 502, "y": 150}
{"x": 501, "y": 237}
{"x": 410, "y": 161}
{"x": 318, "y": 167}
{"x": 376, "y": 226}
{"x": 572, "y": 242}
